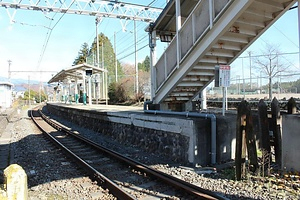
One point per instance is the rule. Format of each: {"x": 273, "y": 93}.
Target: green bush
{"x": 117, "y": 93}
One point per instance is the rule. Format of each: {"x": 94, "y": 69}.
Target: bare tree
{"x": 270, "y": 64}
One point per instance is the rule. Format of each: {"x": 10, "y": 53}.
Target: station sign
{"x": 89, "y": 72}
{"x": 222, "y": 76}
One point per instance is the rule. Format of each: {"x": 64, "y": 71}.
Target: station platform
{"x": 101, "y": 107}
{"x": 188, "y": 137}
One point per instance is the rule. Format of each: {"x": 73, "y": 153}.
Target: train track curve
{"x": 124, "y": 177}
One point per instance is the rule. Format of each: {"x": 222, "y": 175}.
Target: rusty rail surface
{"x": 195, "y": 191}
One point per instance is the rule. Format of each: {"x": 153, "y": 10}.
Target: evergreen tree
{"x": 108, "y": 60}
{"x": 82, "y": 54}
{"x": 145, "y": 65}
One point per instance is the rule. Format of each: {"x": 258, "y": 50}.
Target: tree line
{"x": 122, "y": 90}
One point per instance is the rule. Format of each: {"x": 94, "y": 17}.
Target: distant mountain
{"x": 18, "y": 81}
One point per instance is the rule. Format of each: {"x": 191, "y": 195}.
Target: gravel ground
{"x": 52, "y": 176}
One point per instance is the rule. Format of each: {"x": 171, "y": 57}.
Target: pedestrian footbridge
{"x": 203, "y": 34}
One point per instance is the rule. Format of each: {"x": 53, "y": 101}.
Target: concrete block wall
{"x": 5, "y": 117}
{"x": 290, "y": 142}
{"x": 179, "y": 138}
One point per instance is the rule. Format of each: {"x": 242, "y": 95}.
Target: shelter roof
{"x": 6, "y": 83}
{"x": 73, "y": 72}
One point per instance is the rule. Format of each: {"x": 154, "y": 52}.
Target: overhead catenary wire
{"x": 122, "y": 42}
{"x": 133, "y": 52}
{"x": 49, "y": 32}
{"x": 286, "y": 36}
{"x": 128, "y": 39}
{"x": 262, "y": 55}
{"x": 126, "y": 36}
{"x": 123, "y": 39}
{"x": 129, "y": 47}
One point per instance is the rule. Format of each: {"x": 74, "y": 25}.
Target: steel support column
{"x": 178, "y": 26}
{"x": 152, "y": 42}
{"x": 299, "y": 27}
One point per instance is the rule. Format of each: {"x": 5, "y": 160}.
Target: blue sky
{"x": 284, "y": 34}
{"x": 23, "y": 41}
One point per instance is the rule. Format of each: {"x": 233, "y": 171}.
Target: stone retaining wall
{"x": 179, "y": 138}
{"x": 147, "y": 132}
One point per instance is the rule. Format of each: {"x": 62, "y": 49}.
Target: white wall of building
{"x": 290, "y": 142}
{"x": 6, "y": 95}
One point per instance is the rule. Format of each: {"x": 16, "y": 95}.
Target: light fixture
{"x": 166, "y": 37}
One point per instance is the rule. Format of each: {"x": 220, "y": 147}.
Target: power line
{"x": 151, "y": 2}
{"x": 133, "y": 52}
{"x": 48, "y": 35}
{"x": 278, "y": 54}
{"x": 124, "y": 46}
{"x": 286, "y": 36}
{"x": 129, "y": 47}
{"x": 126, "y": 36}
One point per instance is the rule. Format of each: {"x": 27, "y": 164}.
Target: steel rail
{"x": 176, "y": 182}
{"x": 105, "y": 182}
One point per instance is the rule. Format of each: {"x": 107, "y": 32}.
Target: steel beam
{"x": 97, "y": 8}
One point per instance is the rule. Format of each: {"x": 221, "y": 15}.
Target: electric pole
{"x": 116, "y": 64}
{"x": 9, "y": 72}
{"x": 135, "y": 59}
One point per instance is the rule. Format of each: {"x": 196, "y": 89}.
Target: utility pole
{"x": 250, "y": 69}
{"x": 104, "y": 75}
{"x": 116, "y": 64}
{"x": 29, "y": 91}
{"x": 135, "y": 59}
{"x": 40, "y": 87}
{"x": 98, "y": 59}
{"x": 97, "y": 42}
{"x": 9, "y": 72}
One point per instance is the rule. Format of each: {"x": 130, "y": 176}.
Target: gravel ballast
{"x": 53, "y": 176}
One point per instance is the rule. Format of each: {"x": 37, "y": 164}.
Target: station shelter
{"x": 80, "y": 84}
{"x": 6, "y": 97}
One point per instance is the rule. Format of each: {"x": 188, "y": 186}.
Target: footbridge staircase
{"x": 213, "y": 32}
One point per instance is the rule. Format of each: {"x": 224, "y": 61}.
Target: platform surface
{"x": 101, "y": 107}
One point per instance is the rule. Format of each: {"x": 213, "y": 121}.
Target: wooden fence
{"x": 269, "y": 133}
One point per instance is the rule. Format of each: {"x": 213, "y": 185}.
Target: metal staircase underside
{"x": 214, "y": 33}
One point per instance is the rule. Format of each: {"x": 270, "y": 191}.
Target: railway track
{"x": 124, "y": 177}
